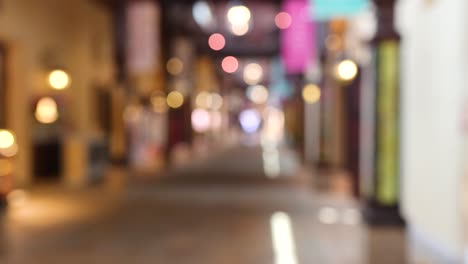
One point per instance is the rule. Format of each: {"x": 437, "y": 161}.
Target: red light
{"x": 283, "y": 20}
{"x": 216, "y": 41}
{"x": 230, "y": 64}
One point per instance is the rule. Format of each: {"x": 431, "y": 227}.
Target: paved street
{"x": 192, "y": 223}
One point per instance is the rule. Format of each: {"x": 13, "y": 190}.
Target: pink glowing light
{"x": 283, "y": 20}
{"x": 217, "y": 41}
{"x": 230, "y": 64}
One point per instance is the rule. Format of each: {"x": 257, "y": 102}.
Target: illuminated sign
{"x": 327, "y": 9}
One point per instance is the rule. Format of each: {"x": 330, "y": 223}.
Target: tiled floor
{"x": 176, "y": 223}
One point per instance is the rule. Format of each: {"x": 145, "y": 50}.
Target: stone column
{"x": 381, "y": 121}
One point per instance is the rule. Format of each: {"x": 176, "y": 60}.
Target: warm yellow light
{"x": 239, "y": 15}
{"x": 311, "y": 93}
{"x": 7, "y": 139}
{"x": 158, "y": 101}
{"x": 258, "y": 94}
{"x": 175, "y": 99}
{"x": 253, "y": 73}
{"x": 347, "y": 70}
{"x": 46, "y": 111}
{"x": 175, "y": 66}
{"x": 59, "y": 79}
{"x": 240, "y": 29}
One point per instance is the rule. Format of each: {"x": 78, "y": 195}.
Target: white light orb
{"x": 253, "y": 73}
{"x": 258, "y": 94}
{"x": 250, "y": 120}
{"x": 239, "y": 15}
{"x": 201, "y": 120}
{"x": 347, "y": 70}
{"x": 202, "y": 14}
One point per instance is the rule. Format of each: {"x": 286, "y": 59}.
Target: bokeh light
{"x": 175, "y": 99}
{"x": 347, "y": 70}
{"x": 7, "y": 139}
{"x": 202, "y": 14}
{"x": 9, "y": 152}
{"x": 239, "y": 15}
{"x": 240, "y": 29}
{"x": 283, "y": 20}
{"x": 311, "y": 93}
{"x": 230, "y": 64}
{"x": 253, "y": 73}
{"x": 175, "y": 66}
{"x": 59, "y": 79}
{"x": 250, "y": 120}
{"x": 201, "y": 120}
{"x": 203, "y": 100}
{"x": 273, "y": 125}
{"x": 258, "y": 94}
{"x": 217, "y": 41}
{"x": 46, "y": 111}
{"x": 158, "y": 101}
{"x": 216, "y": 101}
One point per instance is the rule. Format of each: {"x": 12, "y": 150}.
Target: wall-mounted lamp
{"x": 46, "y": 111}
{"x": 59, "y": 79}
{"x": 8, "y": 146}
{"x": 7, "y": 139}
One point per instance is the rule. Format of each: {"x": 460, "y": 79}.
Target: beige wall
{"x": 73, "y": 33}
{"x": 434, "y": 84}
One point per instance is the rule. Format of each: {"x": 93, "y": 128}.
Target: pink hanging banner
{"x": 143, "y": 22}
{"x": 298, "y": 40}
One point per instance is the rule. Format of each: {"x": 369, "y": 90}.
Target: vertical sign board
{"x": 297, "y": 41}
{"x": 148, "y": 129}
{"x": 142, "y": 49}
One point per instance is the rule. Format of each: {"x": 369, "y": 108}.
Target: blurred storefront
{"x": 59, "y": 75}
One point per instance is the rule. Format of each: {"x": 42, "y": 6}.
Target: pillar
{"x": 381, "y": 121}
